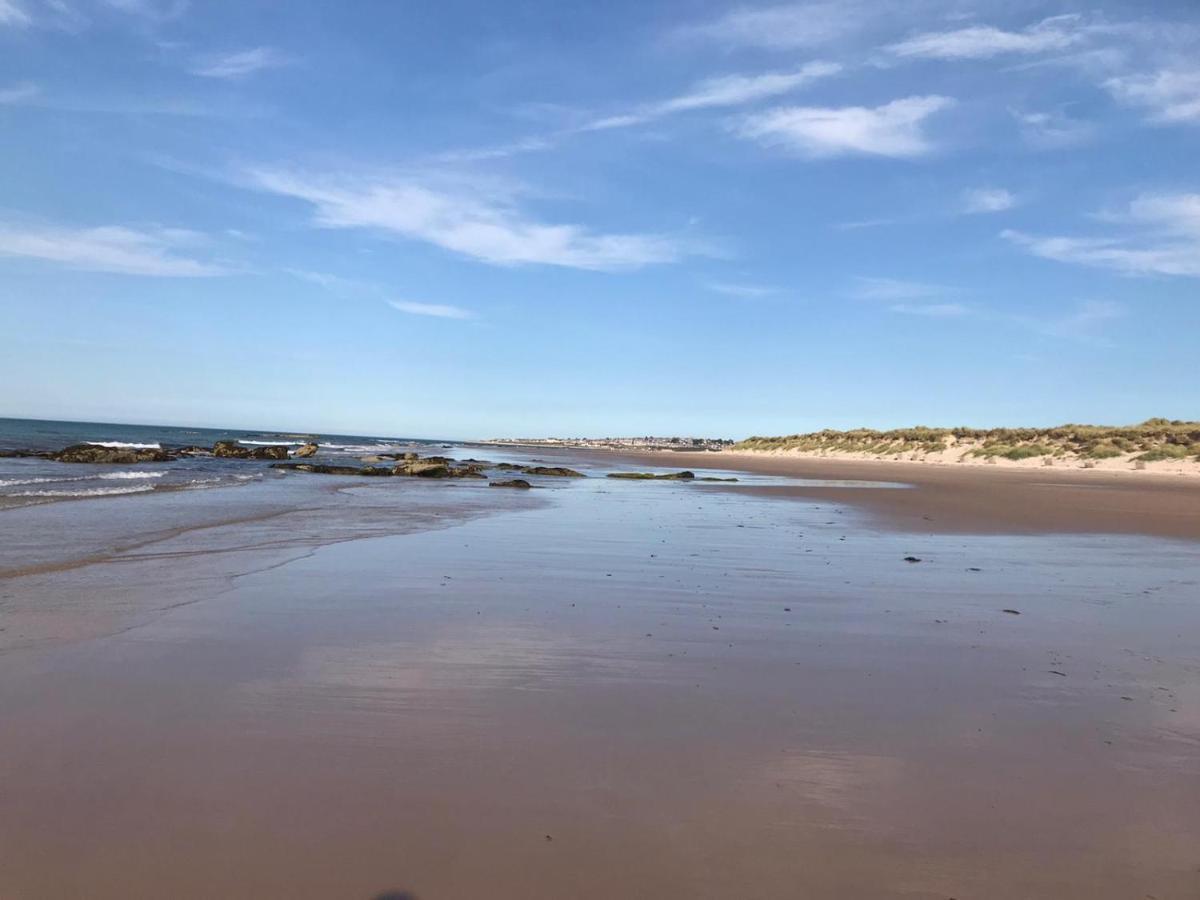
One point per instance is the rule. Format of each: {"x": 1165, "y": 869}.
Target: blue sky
{"x": 476, "y": 219}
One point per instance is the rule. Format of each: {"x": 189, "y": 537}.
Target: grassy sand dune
{"x": 1157, "y": 445}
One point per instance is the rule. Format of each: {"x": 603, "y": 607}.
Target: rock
{"x": 912, "y": 559}
{"x": 555, "y": 471}
{"x": 711, "y": 478}
{"x": 435, "y": 471}
{"x": 309, "y": 449}
{"x": 319, "y": 469}
{"x": 90, "y": 453}
{"x": 1012, "y": 612}
{"x": 234, "y": 450}
{"x": 650, "y": 476}
{"x": 511, "y": 483}
{"x": 375, "y": 471}
{"x": 509, "y": 467}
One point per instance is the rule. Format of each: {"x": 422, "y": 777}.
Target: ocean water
{"x": 27, "y": 481}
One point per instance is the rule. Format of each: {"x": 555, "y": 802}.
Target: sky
{"x": 477, "y": 219}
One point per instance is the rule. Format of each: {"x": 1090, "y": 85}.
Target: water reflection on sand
{"x": 629, "y": 690}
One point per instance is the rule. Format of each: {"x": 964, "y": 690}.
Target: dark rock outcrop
{"x": 319, "y": 468}
{"x": 511, "y": 483}
{"x": 650, "y": 476}
{"x": 234, "y": 450}
{"x": 90, "y": 453}
{"x": 555, "y": 471}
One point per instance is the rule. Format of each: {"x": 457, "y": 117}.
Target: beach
{"x": 829, "y": 678}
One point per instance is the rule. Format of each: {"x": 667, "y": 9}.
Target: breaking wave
{"x": 124, "y": 445}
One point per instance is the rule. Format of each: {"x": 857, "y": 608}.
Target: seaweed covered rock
{"x": 511, "y": 483}
{"x": 553, "y": 471}
{"x": 92, "y": 453}
{"x": 234, "y": 450}
{"x": 650, "y": 476}
{"x": 319, "y": 469}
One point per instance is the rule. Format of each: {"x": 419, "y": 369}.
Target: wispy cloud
{"x": 746, "y": 291}
{"x": 111, "y": 248}
{"x": 895, "y": 129}
{"x": 984, "y": 41}
{"x": 1166, "y": 240}
{"x": 988, "y": 200}
{"x": 1168, "y": 95}
{"x": 436, "y": 310}
{"x": 154, "y": 10}
{"x": 1084, "y": 324}
{"x": 932, "y": 310}
{"x": 786, "y": 27}
{"x": 895, "y": 289}
{"x": 240, "y": 63}
{"x": 19, "y": 93}
{"x": 474, "y": 220}
{"x": 331, "y": 282}
{"x": 1052, "y": 130}
{"x": 13, "y": 12}
{"x": 726, "y": 91}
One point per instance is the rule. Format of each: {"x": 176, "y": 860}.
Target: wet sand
{"x": 617, "y": 689}
{"x": 978, "y": 499}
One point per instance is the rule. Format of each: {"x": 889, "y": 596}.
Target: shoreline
{"x": 975, "y": 499}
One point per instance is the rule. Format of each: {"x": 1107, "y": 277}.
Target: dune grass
{"x": 1149, "y": 441}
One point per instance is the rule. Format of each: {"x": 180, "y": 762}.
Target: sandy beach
{"x": 602, "y": 688}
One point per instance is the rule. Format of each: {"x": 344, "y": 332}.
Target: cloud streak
{"x": 1167, "y": 240}
{"x": 19, "y": 93}
{"x": 988, "y": 200}
{"x": 472, "y": 220}
{"x": 240, "y": 63}
{"x": 436, "y": 310}
{"x": 726, "y": 91}
{"x": 894, "y": 129}
{"x": 786, "y": 27}
{"x": 14, "y": 13}
{"x": 110, "y": 248}
{"x": 984, "y": 41}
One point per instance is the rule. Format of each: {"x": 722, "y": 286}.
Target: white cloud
{"x": 19, "y": 93}
{"x": 984, "y": 41}
{"x": 431, "y": 309}
{"x": 13, "y": 12}
{"x": 787, "y": 27}
{"x": 894, "y": 129}
{"x": 1168, "y": 95}
{"x": 110, "y": 248}
{"x": 988, "y": 200}
{"x": 894, "y": 289}
{"x": 726, "y": 91}
{"x": 748, "y": 291}
{"x": 1174, "y": 213}
{"x": 241, "y": 63}
{"x": 1166, "y": 240}
{"x": 473, "y": 220}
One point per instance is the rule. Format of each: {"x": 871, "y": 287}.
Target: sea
{"x": 27, "y": 481}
